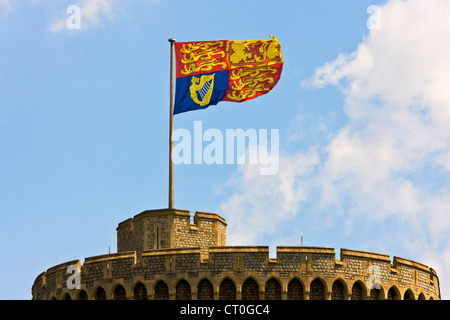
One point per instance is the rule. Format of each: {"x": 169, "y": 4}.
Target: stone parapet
{"x": 170, "y": 228}
{"x": 300, "y": 272}
{"x": 168, "y": 254}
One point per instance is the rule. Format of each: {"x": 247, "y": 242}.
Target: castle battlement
{"x": 170, "y": 228}
{"x": 163, "y": 254}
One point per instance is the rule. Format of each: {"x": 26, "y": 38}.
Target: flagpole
{"x": 171, "y": 40}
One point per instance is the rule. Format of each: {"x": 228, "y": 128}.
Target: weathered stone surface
{"x": 162, "y": 255}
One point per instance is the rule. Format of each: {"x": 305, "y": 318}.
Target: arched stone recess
{"x": 295, "y": 290}
{"x": 119, "y": 293}
{"x": 161, "y": 291}
{"x": 408, "y": 295}
{"x": 358, "y": 291}
{"x": 250, "y": 289}
{"x": 140, "y": 291}
{"x": 317, "y": 289}
{"x": 82, "y": 295}
{"x": 393, "y": 293}
{"x": 182, "y": 290}
{"x": 227, "y": 290}
{"x": 205, "y": 290}
{"x": 377, "y": 293}
{"x": 99, "y": 293}
{"x": 66, "y": 296}
{"x": 339, "y": 290}
{"x": 272, "y": 290}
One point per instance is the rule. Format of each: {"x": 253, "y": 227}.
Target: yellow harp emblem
{"x": 202, "y": 88}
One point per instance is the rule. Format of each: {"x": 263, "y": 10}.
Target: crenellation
{"x": 165, "y": 256}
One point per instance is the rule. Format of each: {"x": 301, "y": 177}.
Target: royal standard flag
{"x": 208, "y": 72}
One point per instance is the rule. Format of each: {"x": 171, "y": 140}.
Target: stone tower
{"x": 171, "y": 228}
{"x": 169, "y": 254}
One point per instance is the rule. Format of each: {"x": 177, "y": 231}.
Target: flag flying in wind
{"x": 208, "y": 72}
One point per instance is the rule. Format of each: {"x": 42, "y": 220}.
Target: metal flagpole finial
{"x": 172, "y": 39}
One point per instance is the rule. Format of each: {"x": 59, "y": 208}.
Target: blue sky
{"x": 363, "y": 116}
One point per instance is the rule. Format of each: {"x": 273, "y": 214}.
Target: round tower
{"x": 169, "y": 254}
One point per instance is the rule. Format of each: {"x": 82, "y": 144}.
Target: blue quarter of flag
{"x": 200, "y": 91}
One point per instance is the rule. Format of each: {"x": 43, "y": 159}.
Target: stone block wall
{"x": 163, "y": 254}
{"x": 170, "y": 228}
{"x": 231, "y": 272}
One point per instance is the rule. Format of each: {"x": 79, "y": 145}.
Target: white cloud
{"x": 263, "y": 201}
{"x": 396, "y": 103}
{"x": 93, "y": 14}
{"x": 392, "y": 157}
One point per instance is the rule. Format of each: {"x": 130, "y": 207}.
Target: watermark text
{"x": 239, "y": 146}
